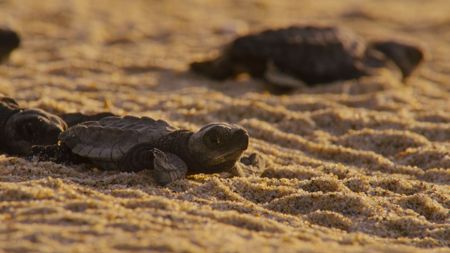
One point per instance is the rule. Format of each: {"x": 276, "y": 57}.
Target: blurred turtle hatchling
{"x": 9, "y": 40}
{"x": 309, "y": 55}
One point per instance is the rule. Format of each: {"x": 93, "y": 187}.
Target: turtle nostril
{"x": 240, "y": 132}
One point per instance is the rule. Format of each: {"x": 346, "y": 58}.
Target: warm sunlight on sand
{"x": 355, "y": 166}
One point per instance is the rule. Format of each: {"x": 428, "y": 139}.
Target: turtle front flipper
{"x": 279, "y": 82}
{"x": 168, "y": 167}
{"x": 55, "y": 153}
{"x": 73, "y": 119}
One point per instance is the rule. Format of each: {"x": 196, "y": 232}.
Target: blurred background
{"x": 115, "y": 41}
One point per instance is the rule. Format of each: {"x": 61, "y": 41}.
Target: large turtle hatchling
{"x": 298, "y": 55}
{"x": 132, "y": 144}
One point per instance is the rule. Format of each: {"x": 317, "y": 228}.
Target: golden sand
{"x": 356, "y": 166}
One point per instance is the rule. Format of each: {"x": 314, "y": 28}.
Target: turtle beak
{"x": 240, "y": 138}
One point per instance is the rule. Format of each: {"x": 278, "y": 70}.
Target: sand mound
{"x": 355, "y": 166}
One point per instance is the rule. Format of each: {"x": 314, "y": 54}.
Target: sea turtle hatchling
{"x": 132, "y": 143}
{"x": 294, "y": 56}
{"x": 9, "y": 40}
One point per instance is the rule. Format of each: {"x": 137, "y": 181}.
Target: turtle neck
{"x": 177, "y": 143}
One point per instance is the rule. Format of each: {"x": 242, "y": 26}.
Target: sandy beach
{"x": 353, "y": 166}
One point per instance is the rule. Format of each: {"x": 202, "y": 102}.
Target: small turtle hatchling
{"x": 9, "y": 40}
{"x": 20, "y": 128}
{"x": 298, "y": 55}
{"x": 132, "y": 144}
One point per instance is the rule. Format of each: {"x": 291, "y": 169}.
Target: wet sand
{"x": 355, "y": 166}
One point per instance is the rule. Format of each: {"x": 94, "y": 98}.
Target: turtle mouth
{"x": 230, "y": 156}
{"x": 220, "y": 163}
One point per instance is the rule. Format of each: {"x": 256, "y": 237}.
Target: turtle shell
{"x": 106, "y": 141}
{"x": 314, "y": 54}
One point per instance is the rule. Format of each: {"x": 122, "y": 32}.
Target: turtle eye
{"x": 212, "y": 138}
{"x": 27, "y": 130}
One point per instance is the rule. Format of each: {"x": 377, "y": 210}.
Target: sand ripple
{"x": 356, "y": 166}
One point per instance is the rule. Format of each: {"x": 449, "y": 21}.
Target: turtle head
{"x": 406, "y": 56}
{"x": 9, "y": 40}
{"x": 32, "y": 127}
{"x": 216, "y": 147}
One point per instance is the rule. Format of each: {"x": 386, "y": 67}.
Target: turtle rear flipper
{"x": 168, "y": 167}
